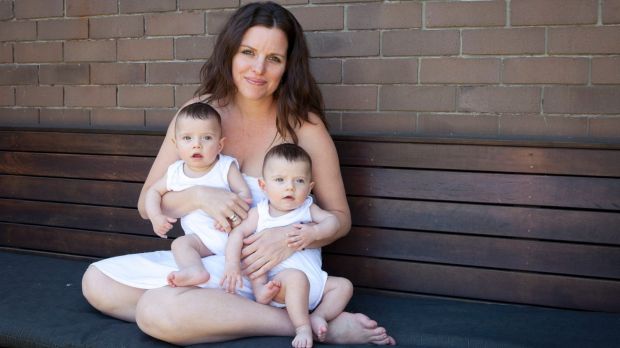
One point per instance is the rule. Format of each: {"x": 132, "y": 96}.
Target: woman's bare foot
{"x": 189, "y": 276}
{"x": 265, "y": 293}
{"x": 303, "y": 339}
{"x": 319, "y": 327}
{"x": 356, "y": 328}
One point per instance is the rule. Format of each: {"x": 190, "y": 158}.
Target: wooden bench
{"x": 519, "y": 222}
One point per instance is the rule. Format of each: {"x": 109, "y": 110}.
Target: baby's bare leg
{"x": 336, "y": 295}
{"x": 294, "y": 294}
{"x": 264, "y": 290}
{"x": 188, "y": 252}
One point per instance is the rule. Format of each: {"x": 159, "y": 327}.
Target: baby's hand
{"x": 301, "y": 237}
{"x": 232, "y": 278}
{"x": 162, "y": 224}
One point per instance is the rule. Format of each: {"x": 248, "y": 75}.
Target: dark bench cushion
{"x": 41, "y": 306}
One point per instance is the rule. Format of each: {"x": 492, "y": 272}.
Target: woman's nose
{"x": 259, "y": 66}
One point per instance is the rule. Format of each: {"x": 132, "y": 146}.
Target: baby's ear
{"x": 222, "y": 143}
{"x": 311, "y": 185}
{"x": 261, "y": 183}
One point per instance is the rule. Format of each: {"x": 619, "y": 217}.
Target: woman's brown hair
{"x": 296, "y": 96}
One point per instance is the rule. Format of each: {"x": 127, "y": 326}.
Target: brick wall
{"x": 495, "y": 68}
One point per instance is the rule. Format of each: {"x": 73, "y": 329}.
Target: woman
{"x": 259, "y": 81}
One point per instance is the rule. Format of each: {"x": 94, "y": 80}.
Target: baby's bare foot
{"x": 188, "y": 276}
{"x": 319, "y": 327}
{"x": 303, "y": 338}
{"x": 264, "y": 294}
{"x": 356, "y": 328}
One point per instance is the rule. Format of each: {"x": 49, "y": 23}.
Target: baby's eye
{"x": 301, "y": 181}
{"x": 207, "y": 137}
{"x": 279, "y": 180}
{"x": 187, "y": 138}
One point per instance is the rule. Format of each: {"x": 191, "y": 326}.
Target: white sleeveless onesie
{"x": 307, "y": 260}
{"x": 198, "y": 222}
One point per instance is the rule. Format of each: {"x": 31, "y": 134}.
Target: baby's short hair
{"x": 200, "y": 111}
{"x": 290, "y": 152}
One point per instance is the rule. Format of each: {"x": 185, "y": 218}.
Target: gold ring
{"x": 233, "y": 217}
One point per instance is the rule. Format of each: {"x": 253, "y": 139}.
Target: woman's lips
{"x": 257, "y": 82}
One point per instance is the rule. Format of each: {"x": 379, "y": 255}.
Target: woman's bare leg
{"x": 193, "y": 315}
{"x": 109, "y": 296}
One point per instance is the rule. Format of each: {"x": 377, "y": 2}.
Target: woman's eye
{"x": 247, "y": 52}
{"x": 275, "y": 59}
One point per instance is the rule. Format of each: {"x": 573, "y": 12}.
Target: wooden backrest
{"x": 504, "y": 221}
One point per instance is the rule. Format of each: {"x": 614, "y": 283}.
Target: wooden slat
{"x": 504, "y": 221}
{"x": 76, "y": 166}
{"x": 77, "y": 242}
{"x": 565, "y": 161}
{"x": 475, "y": 283}
{"x": 481, "y": 251}
{"x": 496, "y": 188}
{"x": 113, "y": 193}
{"x": 80, "y": 143}
{"x": 110, "y": 219}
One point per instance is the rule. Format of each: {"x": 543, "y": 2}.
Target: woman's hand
{"x": 225, "y": 207}
{"x": 264, "y": 250}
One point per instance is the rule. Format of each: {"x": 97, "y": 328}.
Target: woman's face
{"x": 260, "y": 62}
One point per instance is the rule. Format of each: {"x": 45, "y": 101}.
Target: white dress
{"x": 198, "y": 222}
{"x": 149, "y": 270}
{"x": 307, "y": 260}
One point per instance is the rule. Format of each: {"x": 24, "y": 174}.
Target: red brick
{"x": 343, "y": 44}
{"x": 333, "y": 1}
{"x": 349, "y": 97}
{"x": 320, "y": 18}
{"x": 553, "y": 12}
{"x": 97, "y": 96}
{"x": 395, "y": 123}
{"x": 173, "y": 72}
{"x": 420, "y": 42}
{"x": 117, "y": 73}
{"x": 38, "y": 96}
{"x": 611, "y": 11}
{"x": 90, "y": 51}
{"x": 184, "y": 93}
{"x": 91, "y": 7}
{"x": 586, "y": 40}
{"x": 146, "y": 96}
{"x": 16, "y": 31}
{"x": 117, "y": 118}
{"x": 145, "y": 49}
{"x": 194, "y": 47}
{"x": 458, "y": 125}
{"x": 606, "y": 70}
{"x": 216, "y": 20}
{"x": 384, "y": 16}
{"x": 140, "y": 6}
{"x": 7, "y": 96}
{"x": 175, "y": 23}
{"x": 117, "y": 26}
{"x": 208, "y": 4}
{"x": 380, "y": 71}
{"x": 459, "y": 70}
{"x": 6, "y": 53}
{"x": 582, "y": 100}
{"x": 499, "y": 99}
{"x": 326, "y": 70}
{"x": 38, "y": 52}
{"x": 465, "y": 14}
{"x": 65, "y": 118}
{"x": 504, "y": 41}
{"x": 605, "y": 127}
{"x": 6, "y": 9}
{"x": 18, "y": 74}
{"x": 19, "y": 116}
{"x": 59, "y": 29}
{"x": 158, "y": 118}
{"x": 531, "y": 125}
{"x": 38, "y": 8}
{"x": 417, "y": 98}
{"x": 545, "y": 71}
{"x": 64, "y": 74}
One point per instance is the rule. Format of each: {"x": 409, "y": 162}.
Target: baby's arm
{"x": 232, "y": 270}
{"x": 325, "y": 223}
{"x": 238, "y": 185}
{"x": 161, "y": 223}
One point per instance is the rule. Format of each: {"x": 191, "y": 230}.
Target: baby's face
{"x": 198, "y": 142}
{"x": 287, "y": 184}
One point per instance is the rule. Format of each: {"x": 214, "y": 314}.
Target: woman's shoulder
{"x": 313, "y": 132}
